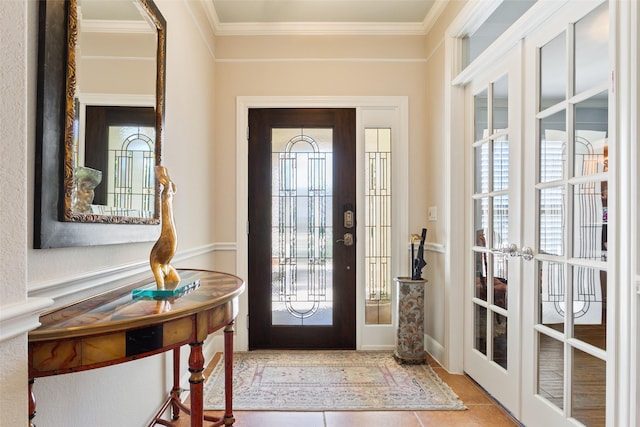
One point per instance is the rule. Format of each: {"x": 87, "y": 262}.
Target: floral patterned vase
{"x": 410, "y": 333}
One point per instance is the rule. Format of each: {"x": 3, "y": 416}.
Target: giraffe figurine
{"x": 165, "y": 248}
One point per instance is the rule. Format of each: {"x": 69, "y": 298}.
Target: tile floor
{"x": 482, "y": 412}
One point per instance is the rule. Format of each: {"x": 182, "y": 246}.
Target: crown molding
{"x": 319, "y": 29}
{"x": 323, "y": 28}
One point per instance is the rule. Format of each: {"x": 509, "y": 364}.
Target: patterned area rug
{"x": 328, "y": 381}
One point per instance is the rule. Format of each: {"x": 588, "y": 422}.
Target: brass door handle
{"x": 347, "y": 239}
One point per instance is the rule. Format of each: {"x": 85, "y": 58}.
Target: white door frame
{"x": 368, "y": 337}
{"x": 625, "y": 19}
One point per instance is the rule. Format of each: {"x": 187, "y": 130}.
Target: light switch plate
{"x": 433, "y": 213}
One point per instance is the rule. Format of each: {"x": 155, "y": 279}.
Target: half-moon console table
{"x": 115, "y": 327}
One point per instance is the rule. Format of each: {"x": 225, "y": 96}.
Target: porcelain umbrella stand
{"x": 410, "y": 332}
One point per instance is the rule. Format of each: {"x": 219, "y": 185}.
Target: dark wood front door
{"x": 302, "y": 271}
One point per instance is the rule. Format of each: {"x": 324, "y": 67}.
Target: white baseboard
{"x": 434, "y": 348}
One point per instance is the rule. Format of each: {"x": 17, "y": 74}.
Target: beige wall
{"x": 321, "y": 66}
{"x": 200, "y": 154}
{"x": 326, "y": 66}
{"x": 438, "y": 298}
{"x": 105, "y": 64}
{"x": 15, "y": 87}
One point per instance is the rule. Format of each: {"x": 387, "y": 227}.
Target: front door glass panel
{"x": 302, "y": 232}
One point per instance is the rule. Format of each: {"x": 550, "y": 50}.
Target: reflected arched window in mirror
{"x": 131, "y": 161}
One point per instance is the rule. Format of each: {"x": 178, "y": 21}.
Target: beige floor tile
{"x": 368, "y": 419}
{"x": 274, "y": 418}
{"x": 475, "y": 416}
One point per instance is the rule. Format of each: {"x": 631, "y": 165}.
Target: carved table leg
{"x": 196, "y": 380}
{"x": 175, "y": 392}
{"x": 228, "y": 375}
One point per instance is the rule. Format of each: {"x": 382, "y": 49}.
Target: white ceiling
{"x": 323, "y": 16}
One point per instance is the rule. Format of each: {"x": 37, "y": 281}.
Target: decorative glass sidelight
{"x": 302, "y": 232}
{"x": 378, "y": 226}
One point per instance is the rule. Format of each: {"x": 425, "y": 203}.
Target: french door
{"x": 566, "y": 186}
{"x": 492, "y": 351}
{"x": 536, "y": 324}
{"x": 302, "y": 251}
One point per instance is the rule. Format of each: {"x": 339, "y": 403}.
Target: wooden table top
{"x": 117, "y": 309}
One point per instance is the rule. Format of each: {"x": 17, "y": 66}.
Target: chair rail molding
{"x": 21, "y": 317}
{"x": 92, "y": 281}
{"x": 435, "y": 247}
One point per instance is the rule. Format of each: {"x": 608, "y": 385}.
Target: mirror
{"x": 101, "y": 72}
{"x": 110, "y": 153}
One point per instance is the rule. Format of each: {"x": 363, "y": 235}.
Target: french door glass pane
{"x": 500, "y": 221}
{"x": 591, "y": 148}
{"x": 500, "y": 116}
{"x": 302, "y": 230}
{"x": 589, "y": 217}
{"x": 589, "y": 310}
{"x": 480, "y": 329}
{"x": 551, "y": 217}
{"x": 481, "y": 160}
{"x": 592, "y": 46}
{"x": 552, "y": 312}
{"x": 553, "y": 146}
{"x": 500, "y": 339}
{"x": 378, "y": 225}
{"x": 588, "y": 389}
{"x": 551, "y": 369}
{"x": 501, "y": 163}
{"x": 481, "y": 117}
{"x": 481, "y": 222}
{"x": 553, "y": 72}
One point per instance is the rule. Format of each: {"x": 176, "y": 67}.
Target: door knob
{"x": 507, "y": 249}
{"x": 511, "y": 249}
{"x": 527, "y": 253}
{"x": 347, "y": 239}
